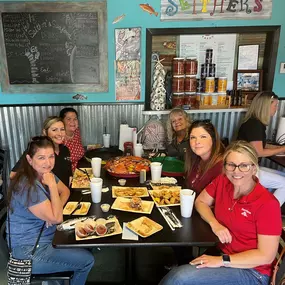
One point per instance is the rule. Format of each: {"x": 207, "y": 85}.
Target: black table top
{"x": 195, "y": 231}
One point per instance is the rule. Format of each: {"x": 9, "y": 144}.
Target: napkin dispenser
{"x": 126, "y": 135}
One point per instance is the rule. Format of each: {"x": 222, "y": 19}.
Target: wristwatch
{"x": 226, "y": 260}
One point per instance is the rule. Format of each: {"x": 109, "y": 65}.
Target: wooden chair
{"x": 64, "y": 276}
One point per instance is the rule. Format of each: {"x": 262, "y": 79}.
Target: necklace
{"x": 232, "y": 207}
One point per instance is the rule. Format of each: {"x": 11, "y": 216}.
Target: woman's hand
{"x": 49, "y": 180}
{"x": 207, "y": 261}
{"x": 222, "y": 233}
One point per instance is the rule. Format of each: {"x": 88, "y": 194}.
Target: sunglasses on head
{"x": 206, "y": 121}
{"x": 37, "y": 139}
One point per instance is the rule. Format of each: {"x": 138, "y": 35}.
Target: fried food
{"x": 136, "y": 203}
{"x": 166, "y": 197}
{"x": 129, "y": 192}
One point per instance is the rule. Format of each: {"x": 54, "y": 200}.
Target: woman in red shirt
{"x": 204, "y": 157}
{"x": 247, "y": 221}
{"x": 72, "y": 136}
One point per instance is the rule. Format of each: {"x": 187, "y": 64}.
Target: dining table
{"x": 279, "y": 159}
{"x": 195, "y": 231}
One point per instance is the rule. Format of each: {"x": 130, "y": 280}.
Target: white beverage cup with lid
{"x": 106, "y": 140}
{"x": 96, "y": 189}
{"x": 155, "y": 168}
{"x": 138, "y": 149}
{"x": 96, "y": 166}
{"x": 187, "y": 198}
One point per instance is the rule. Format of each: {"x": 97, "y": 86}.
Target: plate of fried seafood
{"x": 144, "y": 227}
{"x": 155, "y": 186}
{"x": 83, "y": 209}
{"x": 126, "y": 166}
{"x": 165, "y": 197}
{"x": 81, "y": 178}
{"x": 118, "y": 191}
{"x": 134, "y": 204}
{"x": 90, "y": 229}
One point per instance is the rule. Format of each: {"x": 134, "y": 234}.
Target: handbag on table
{"x": 19, "y": 271}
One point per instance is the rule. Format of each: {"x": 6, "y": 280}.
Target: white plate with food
{"x": 90, "y": 229}
{"x": 155, "y": 186}
{"x": 118, "y": 191}
{"x": 81, "y": 178}
{"x": 164, "y": 198}
{"x": 144, "y": 227}
{"x": 135, "y": 205}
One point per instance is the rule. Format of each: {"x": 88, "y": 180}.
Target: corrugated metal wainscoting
{"x": 20, "y": 123}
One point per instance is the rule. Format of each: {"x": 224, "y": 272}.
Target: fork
{"x": 174, "y": 216}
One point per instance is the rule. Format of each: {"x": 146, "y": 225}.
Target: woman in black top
{"x": 253, "y": 130}
{"x": 177, "y": 127}
{"x": 53, "y": 127}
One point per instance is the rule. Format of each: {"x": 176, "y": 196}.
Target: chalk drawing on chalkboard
{"x": 71, "y": 64}
{"x": 79, "y": 97}
{"x": 128, "y": 43}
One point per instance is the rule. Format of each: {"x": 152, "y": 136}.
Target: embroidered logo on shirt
{"x": 245, "y": 212}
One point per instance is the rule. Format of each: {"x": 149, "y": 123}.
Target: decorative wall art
{"x": 248, "y": 56}
{"x": 248, "y": 80}
{"x": 187, "y": 10}
{"x": 128, "y": 68}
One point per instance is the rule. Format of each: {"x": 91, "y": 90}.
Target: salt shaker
{"x": 142, "y": 176}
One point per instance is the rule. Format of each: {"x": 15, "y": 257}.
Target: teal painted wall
{"x": 135, "y": 17}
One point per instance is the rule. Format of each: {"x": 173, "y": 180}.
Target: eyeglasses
{"x": 243, "y": 167}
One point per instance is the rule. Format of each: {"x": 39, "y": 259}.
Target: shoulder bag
{"x": 19, "y": 271}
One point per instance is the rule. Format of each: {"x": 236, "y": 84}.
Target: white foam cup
{"x": 96, "y": 189}
{"x": 187, "y": 197}
{"x": 96, "y": 166}
{"x": 156, "y": 168}
{"x": 106, "y": 140}
{"x": 138, "y": 149}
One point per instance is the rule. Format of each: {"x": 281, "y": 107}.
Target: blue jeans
{"x": 47, "y": 259}
{"x": 188, "y": 274}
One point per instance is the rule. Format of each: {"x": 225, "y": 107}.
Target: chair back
{"x": 4, "y": 253}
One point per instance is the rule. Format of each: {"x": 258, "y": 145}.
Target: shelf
{"x": 196, "y": 111}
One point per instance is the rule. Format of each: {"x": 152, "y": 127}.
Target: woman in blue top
{"x": 37, "y": 196}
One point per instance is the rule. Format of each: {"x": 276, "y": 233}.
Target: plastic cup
{"x": 156, "y": 168}
{"x": 96, "y": 166}
{"x": 138, "y": 149}
{"x": 106, "y": 140}
{"x": 96, "y": 189}
{"x": 187, "y": 197}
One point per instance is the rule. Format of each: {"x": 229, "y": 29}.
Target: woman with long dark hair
{"x": 37, "y": 196}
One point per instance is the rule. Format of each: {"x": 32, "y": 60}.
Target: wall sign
{"x": 54, "y": 47}
{"x": 191, "y": 10}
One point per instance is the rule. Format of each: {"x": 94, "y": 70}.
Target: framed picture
{"x": 248, "y": 80}
{"x": 248, "y": 56}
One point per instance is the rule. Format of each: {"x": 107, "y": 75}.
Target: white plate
{"x": 280, "y": 154}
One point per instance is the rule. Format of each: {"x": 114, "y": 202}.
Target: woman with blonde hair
{"x": 53, "y": 127}
{"x": 204, "y": 157}
{"x": 177, "y": 128}
{"x": 246, "y": 219}
{"x": 253, "y": 130}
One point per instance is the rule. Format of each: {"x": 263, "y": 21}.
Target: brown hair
{"x": 216, "y": 152}
{"x": 26, "y": 171}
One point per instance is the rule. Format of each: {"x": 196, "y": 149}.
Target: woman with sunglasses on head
{"x": 253, "y": 130}
{"x": 53, "y": 127}
{"x": 72, "y": 137}
{"x": 204, "y": 157}
{"x": 37, "y": 196}
{"x": 247, "y": 221}
{"x": 177, "y": 127}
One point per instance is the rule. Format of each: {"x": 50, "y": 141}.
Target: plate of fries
{"x": 118, "y": 191}
{"x": 164, "y": 198}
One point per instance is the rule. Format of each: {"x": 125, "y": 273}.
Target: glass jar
{"x": 191, "y": 66}
{"x": 190, "y": 99}
{"x": 178, "y": 84}
{"x": 190, "y": 84}
{"x": 177, "y": 99}
{"x": 178, "y": 66}
{"x": 222, "y": 84}
{"x": 210, "y": 85}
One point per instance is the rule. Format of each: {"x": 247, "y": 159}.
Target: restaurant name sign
{"x": 185, "y": 10}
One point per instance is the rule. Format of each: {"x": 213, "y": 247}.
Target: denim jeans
{"x": 47, "y": 259}
{"x": 190, "y": 275}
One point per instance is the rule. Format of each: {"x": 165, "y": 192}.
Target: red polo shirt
{"x": 253, "y": 214}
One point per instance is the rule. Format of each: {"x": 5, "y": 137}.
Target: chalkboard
{"x": 54, "y": 48}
